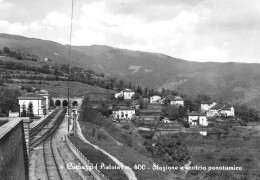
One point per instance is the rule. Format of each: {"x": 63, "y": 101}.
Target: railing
{"x": 95, "y": 172}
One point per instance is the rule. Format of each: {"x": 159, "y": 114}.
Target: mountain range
{"x": 232, "y": 82}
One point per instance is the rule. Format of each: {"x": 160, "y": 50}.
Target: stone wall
{"x": 13, "y": 151}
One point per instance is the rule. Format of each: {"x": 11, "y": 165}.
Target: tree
{"x": 23, "y": 113}
{"x": 146, "y": 92}
{"x": 64, "y": 68}
{"x": 1, "y": 81}
{"x": 57, "y": 103}
{"x": 121, "y": 84}
{"x": 171, "y": 111}
{"x": 8, "y": 100}
{"x": 30, "y": 110}
{"x": 7, "y": 50}
{"x": 64, "y": 103}
{"x": 130, "y": 85}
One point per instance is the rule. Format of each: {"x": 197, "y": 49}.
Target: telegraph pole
{"x": 69, "y": 65}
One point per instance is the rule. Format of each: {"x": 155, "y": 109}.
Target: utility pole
{"x": 69, "y": 64}
{"x": 38, "y": 105}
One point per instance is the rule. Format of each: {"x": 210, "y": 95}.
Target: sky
{"x": 196, "y": 30}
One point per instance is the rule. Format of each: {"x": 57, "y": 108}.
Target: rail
{"x": 36, "y": 142}
{"x": 39, "y": 126}
{"x": 95, "y": 172}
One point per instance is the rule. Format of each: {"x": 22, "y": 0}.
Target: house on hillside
{"x": 135, "y": 104}
{"x": 155, "y": 99}
{"x": 166, "y": 120}
{"x": 148, "y": 117}
{"x": 176, "y": 100}
{"x": 227, "y": 111}
{"x": 221, "y": 110}
{"x": 196, "y": 118}
{"x": 125, "y": 94}
{"x": 38, "y": 102}
{"x": 124, "y": 113}
{"x": 206, "y": 106}
{"x": 162, "y": 101}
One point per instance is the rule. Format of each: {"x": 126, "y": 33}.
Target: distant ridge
{"x": 233, "y": 82}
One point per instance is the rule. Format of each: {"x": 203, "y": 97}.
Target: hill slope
{"x": 234, "y": 82}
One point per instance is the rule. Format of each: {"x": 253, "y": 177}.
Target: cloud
{"x": 55, "y": 19}
{"x": 201, "y": 30}
{"x": 99, "y": 26}
{"x": 5, "y": 4}
{"x": 12, "y": 28}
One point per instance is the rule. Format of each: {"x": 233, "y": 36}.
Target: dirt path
{"x": 128, "y": 171}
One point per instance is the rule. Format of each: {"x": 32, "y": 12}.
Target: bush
{"x": 209, "y": 156}
{"x": 93, "y": 132}
{"x": 233, "y": 158}
{"x": 223, "y": 159}
{"x": 246, "y": 138}
{"x": 126, "y": 126}
{"x": 247, "y": 160}
{"x": 101, "y": 136}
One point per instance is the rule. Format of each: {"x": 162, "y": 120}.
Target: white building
{"x": 124, "y": 113}
{"x": 38, "y": 102}
{"x": 166, "y": 120}
{"x": 155, "y": 99}
{"x": 45, "y": 94}
{"x": 126, "y": 94}
{"x": 177, "y": 100}
{"x": 221, "y": 110}
{"x": 207, "y": 106}
{"x": 228, "y": 111}
{"x": 196, "y": 118}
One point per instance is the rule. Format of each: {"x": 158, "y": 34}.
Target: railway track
{"x": 35, "y": 130}
{"x": 42, "y": 132}
{"x": 51, "y": 166}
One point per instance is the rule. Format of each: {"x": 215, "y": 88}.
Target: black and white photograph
{"x": 129, "y": 90}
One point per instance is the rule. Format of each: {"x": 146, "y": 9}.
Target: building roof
{"x": 221, "y": 107}
{"x": 174, "y": 98}
{"x": 43, "y": 92}
{"x": 226, "y": 108}
{"x": 156, "y": 96}
{"x": 170, "y": 97}
{"x": 217, "y": 107}
{"x": 31, "y": 96}
{"x": 128, "y": 90}
{"x": 125, "y": 109}
{"x": 195, "y": 113}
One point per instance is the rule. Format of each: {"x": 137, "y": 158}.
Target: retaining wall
{"x": 14, "y": 163}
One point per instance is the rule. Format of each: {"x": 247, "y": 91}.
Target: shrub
{"x": 126, "y": 126}
{"x": 233, "y": 158}
{"x": 246, "y": 138}
{"x": 222, "y": 159}
{"x": 209, "y": 156}
{"x": 93, "y": 132}
{"x": 247, "y": 160}
{"x": 101, "y": 136}
{"x": 145, "y": 143}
